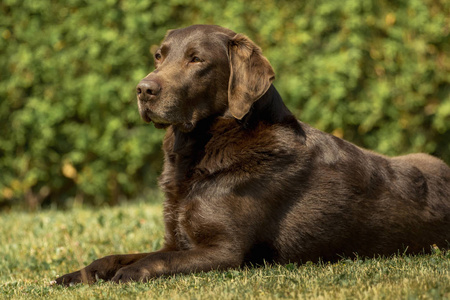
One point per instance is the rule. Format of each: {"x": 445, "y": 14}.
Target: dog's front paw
{"x": 131, "y": 273}
{"x": 70, "y": 279}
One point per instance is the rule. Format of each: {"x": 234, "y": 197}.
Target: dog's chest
{"x": 181, "y": 181}
{"x": 195, "y": 179}
{"x": 183, "y": 233}
{"x": 183, "y": 218}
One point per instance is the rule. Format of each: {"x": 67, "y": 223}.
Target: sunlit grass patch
{"x": 37, "y": 247}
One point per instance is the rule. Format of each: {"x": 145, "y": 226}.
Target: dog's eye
{"x": 196, "y": 59}
{"x": 157, "y": 56}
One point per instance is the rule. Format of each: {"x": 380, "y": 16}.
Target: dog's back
{"x": 361, "y": 202}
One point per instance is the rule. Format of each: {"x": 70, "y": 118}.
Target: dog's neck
{"x": 186, "y": 142}
{"x": 271, "y": 109}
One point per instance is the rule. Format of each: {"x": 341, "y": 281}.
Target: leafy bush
{"x": 373, "y": 72}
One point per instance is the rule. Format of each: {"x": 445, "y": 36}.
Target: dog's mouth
{"x": 148, "y": 116}
{"x": 160, "y": 123}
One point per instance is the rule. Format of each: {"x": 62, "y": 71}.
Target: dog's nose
{"x": 147, "y": 88}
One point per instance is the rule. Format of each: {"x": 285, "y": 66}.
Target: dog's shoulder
{"x": 232, "y": 146}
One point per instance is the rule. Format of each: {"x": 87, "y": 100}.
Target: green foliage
{"x": 374, "y": 72}
{"x": 36, "y": 247}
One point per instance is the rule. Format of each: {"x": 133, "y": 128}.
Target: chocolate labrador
{"x": 246, "y": 182}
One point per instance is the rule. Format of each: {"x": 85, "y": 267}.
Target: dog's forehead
{"x": 197, "y": 34}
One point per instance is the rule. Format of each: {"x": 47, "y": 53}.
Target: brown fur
{"x": 245, "y": 182}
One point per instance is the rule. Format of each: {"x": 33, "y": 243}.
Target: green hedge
{"x": 374, "y": 72}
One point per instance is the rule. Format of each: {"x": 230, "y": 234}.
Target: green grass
{"x": 36, "y": 247}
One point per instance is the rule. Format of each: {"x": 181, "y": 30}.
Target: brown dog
{"x": 246, "y": 182}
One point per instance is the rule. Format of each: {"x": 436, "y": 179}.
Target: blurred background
{"x": 374, "y": 72}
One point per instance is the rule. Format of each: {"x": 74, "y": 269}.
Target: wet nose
{"x": 146, "y": 89}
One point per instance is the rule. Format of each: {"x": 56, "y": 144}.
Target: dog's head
{"x": 202, "y": 71}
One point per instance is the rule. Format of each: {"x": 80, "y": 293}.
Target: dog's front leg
{"x": 104, "y": 268}
{"x": 187, "y": 261}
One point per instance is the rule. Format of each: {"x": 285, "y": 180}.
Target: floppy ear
{"x": 250, "y": 75}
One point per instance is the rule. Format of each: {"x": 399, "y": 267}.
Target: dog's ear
{"x": 250, "y": 75}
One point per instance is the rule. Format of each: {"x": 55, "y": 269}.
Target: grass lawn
{"x": 37, "y": 247}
